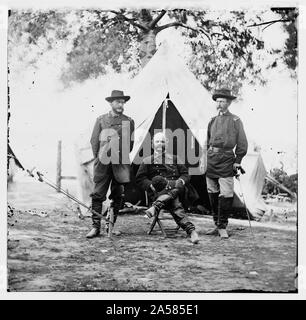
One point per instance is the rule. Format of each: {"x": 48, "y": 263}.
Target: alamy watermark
{"x": 115, "y": 147}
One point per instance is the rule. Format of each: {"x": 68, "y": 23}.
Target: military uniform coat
{"x": 166, "y": 166}
{"x": 225, "y": 132}
{"x": 112, "y": 141}
{"x": 169, "y": 167}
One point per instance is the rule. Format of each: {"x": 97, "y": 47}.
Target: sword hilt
{"x": 236, "y": 171}
{"x": 241, "y": 170}
{"x": 30, "y": 173}
{"x": 40, "y": 175}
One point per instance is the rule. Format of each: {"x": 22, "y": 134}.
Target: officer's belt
{"x": 215, "y": 149}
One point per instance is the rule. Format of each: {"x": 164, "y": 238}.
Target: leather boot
{"x": 96, "y": 205}
{"x": 223, "y": 233}
{"x": 114, "y": 232}
{"x": 154, "y": 209}
{"x": 212, "y": 232}
{"x": 214, "y": 203}
{"x": 225, "y": 209}
{"x": 94, "y": 232}
{"x": 180, "y": 217}
{"x": 194, "y": 237}
{"x": 116, "y": 205}
{"x": 158, "y": 204}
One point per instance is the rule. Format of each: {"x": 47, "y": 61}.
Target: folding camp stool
{"x": 157, "y": 221}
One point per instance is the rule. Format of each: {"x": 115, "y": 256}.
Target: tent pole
{"x": 164, "y": 119}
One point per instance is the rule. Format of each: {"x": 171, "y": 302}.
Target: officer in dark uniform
{"x": 226, "y": 146}
{"x": 111, "y": 143}
{"x": 176, "y": 176}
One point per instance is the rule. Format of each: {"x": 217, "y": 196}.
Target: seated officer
{"x": 175, "y": 176}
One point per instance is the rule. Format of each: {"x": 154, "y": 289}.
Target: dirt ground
{"x": 49, "y": 252}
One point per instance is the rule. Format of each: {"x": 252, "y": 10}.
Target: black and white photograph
{"x": 152, "y": 147}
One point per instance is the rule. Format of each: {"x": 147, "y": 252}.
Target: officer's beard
{"x": 118, "y": 110}
{"x": 223, "y": 110}
{"x": 160, "y": 150}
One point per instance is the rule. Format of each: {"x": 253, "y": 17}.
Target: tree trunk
{"x": 147, "y": 47}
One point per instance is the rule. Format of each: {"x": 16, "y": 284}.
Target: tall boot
{"x": 182, "y": 220}
{"x": 225, "y": 209}
{"x": 114, "y": 208}
{"x": 116, "y": 205}
{"x": 158, "y": 204}
{"x": 214, "y": 203}
{"x": 96, "y": 206}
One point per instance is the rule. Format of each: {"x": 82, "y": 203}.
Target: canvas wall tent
{"x": 167, "y": 74}
{"x": 166, "y": 95}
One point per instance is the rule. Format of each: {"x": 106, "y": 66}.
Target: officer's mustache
{"x": 160, "y": 146}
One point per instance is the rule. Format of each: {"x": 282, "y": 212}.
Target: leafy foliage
{"x": 224, "y": 49}
{"x": 290, "y": 182}
{"x": 228, "y": 57}
{"x": 101, "y": 44}
{"x": 290, "y": 54}
{"x": 31, "y": 34}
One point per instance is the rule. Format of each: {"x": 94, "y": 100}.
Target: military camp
{"x": 155, "y": 86}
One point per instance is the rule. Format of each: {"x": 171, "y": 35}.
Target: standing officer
{"x": 111, "y": 143}
{"x": 227, "y": 145}
{"x": 164, "y": 169}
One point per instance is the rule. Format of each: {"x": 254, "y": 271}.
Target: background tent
{"x": 166, "y": 95}
{"x": 12, "y": 164}
{"x": 251, "y": 184}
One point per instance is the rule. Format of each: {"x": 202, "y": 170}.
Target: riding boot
{"x": 96, "y": 206}
{"x": 154, "y": 209}
{"x": 225, "y": 209}
{"x": 214, "y": 203}
{"x": 116, "y": 205}
{"x": 180, "y": 217}
{"x": 158, "y": 204}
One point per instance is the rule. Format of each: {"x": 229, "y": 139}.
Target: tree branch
{"x": 217, "y": 34}
{"x": 158, "y": 18}
{"x": 270, "y": 22}
{"x": 179, "y": 24}
{"x": 131, "y": 21}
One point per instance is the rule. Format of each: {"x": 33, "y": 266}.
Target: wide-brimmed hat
{"x": 223, "y": 93}
{"x": 117, "y": 94}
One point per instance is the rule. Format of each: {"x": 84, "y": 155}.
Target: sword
{"x": 67, "y": 194}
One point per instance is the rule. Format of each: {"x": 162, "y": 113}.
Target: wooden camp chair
{"x": 157, "y": 220}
